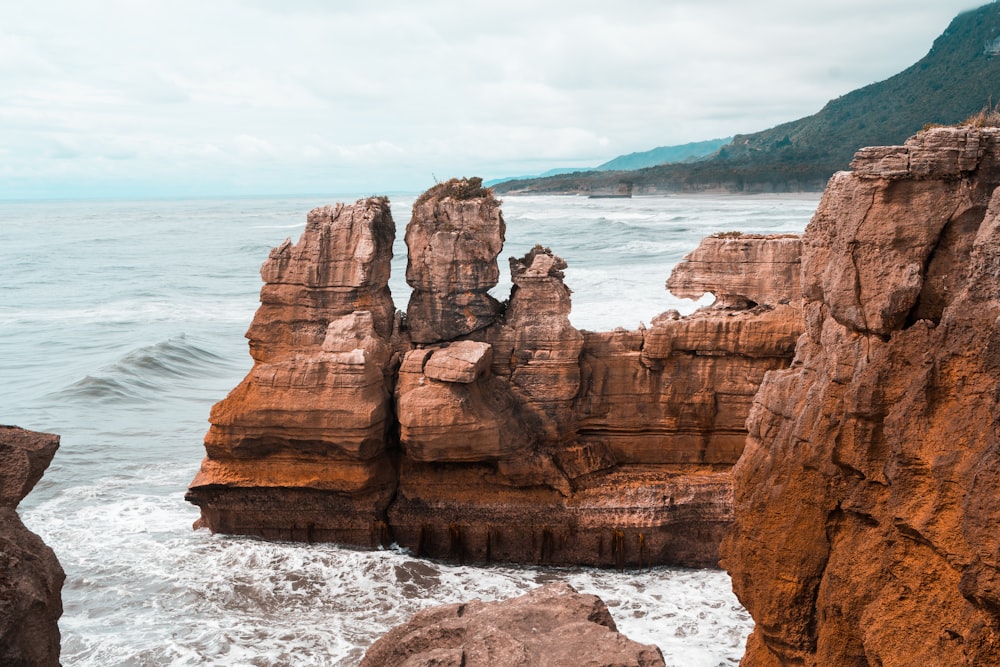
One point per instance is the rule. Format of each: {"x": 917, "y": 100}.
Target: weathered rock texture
{"x": 31, "y": 578}
{"x": 453, "y": 238}
{"x": 868, "y": 496}
{"x": 478, "y": 433}
{"x": 299, "y": 450}
{"x": 553, "y": 625}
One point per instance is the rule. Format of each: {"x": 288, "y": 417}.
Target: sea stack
{"x": 868, "y": 496}
{"x": 300, "y": 449}
{"x": 478, "y": 431}
{"x": 454, "y": 237}
{"x": 31, "y": 578}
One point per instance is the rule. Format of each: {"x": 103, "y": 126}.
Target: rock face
{"x": 299, "y": 450}
{"x": 479, "y": 433}
{"x": 868, "y": 496}
{"x": 553, "y": 625}
{"x": 454, "y": 237}
{"x": 31, "y": 578}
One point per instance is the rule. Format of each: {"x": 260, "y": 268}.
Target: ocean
{"x": 121, "y": 322}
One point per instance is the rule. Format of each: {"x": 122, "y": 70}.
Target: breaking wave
{"x": 146, "y": 372}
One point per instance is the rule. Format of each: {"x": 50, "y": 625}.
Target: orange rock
{"x": 866, "y": 498}
{"x": 308, "y": 429}
{"x": 454, "y": 236}
{"x": 516, "y": 437}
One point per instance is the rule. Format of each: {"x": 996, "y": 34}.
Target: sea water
{"x": 121, "y": 322}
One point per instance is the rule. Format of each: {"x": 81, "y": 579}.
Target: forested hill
{"x": 955, "y": 80}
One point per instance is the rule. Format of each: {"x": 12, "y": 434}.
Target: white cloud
{"x": 269, "y": 95}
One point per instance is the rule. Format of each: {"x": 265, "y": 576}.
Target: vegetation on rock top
{"x": 459, "y": 189}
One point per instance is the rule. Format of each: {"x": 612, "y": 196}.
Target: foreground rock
{"x": 553, "y": 625}
{"x": 868, "y": 497}
{"x": 31, "y": 578}
{"x": 478, "y": 433}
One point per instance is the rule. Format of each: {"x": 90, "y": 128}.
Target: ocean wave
{"x": 144, "y": 373}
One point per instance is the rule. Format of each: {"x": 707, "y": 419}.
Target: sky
{"x": 167, "y": 98}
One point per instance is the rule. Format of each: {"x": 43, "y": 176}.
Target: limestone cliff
{"x": 866, "y": 499}
{"x": 475, "y": 432}
{"x": 31, "y": 578}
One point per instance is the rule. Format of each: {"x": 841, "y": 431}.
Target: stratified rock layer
{"x": 868, "y": 496}
{"x": 482, "y": 434}
{"x": 453, "y": 238}
{"x": 552, "y": 625}
{"x": 31, "y": 578}
{"x": 299, "y": 450}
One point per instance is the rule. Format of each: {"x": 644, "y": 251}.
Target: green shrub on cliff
{"x": 457, "y": 188}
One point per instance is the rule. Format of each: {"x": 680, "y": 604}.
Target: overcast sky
{"x": 203, "y": 97}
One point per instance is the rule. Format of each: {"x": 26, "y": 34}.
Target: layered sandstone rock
{"x": 31, "y": 578}
{"x": 741, "y": 270}
{"x": 454, "y": 237}
{"x": 299, "y": 450}
{"x": 552, "y": 625}
{"x": 509, "y": 434}
{"x": 867, "y": 496}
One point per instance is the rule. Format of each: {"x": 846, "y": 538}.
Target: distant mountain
{"x": 650, "y": 158}
{"x": 664, "y": 155}
{"x": 956, "y": 79}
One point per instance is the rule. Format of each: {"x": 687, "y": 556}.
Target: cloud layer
{"x": 124, "y": 98}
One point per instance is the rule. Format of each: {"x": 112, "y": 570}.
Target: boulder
{"x": 31, "y": 578}
{"x": 552, "y": 625}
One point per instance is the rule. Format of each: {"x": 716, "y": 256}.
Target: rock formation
{"x": 475, "y": 432}
{"x": 454, "y": 237}
{"x": 299, "y": 450}
{"x": 868, "y": 496}
{"x": 552, "y": 625}
{"x": 31, "y": 578}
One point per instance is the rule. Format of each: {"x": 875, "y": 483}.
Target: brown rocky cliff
{"x": 866, "y": 499}
{"x": 31, "y": 578}
{"x": 478, "y": 433}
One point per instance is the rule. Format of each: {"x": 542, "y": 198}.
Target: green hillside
{"x": 957, "y": 78}
{"x": 664, "y": 155}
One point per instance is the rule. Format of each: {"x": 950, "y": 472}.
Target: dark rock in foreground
{"x": 31, "y": 578}
{"x": 553, "y": 625}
